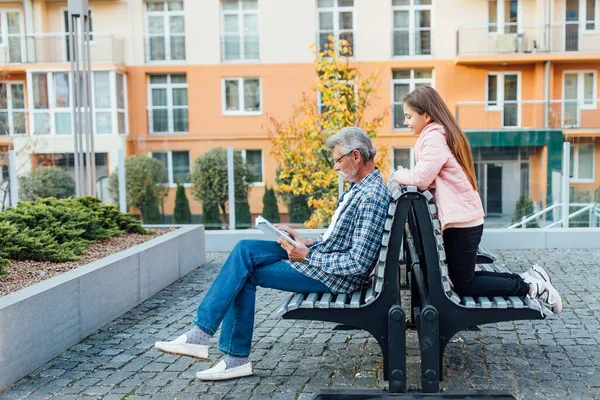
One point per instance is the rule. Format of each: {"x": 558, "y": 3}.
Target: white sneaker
{"x": 545, "y": 293}
{"x": 220, "y": 372}
{"x": 537, "y": 272}
{"x": 179, "y": 346}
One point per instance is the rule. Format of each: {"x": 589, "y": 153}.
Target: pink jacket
{"x": 455, "y": 199}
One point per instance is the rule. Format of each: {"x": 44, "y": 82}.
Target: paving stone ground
{"x": 554, "y": 358}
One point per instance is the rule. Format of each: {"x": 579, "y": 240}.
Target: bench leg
{"x": 430, "y": 350}
{"x": 397, "y": 349}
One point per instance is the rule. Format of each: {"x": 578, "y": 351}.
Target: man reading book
{"x": 338, "y": 261}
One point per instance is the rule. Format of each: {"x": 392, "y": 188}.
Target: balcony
{"x": 564, "y": 38}
{"x": 528, "y": 114}
{"x": 54, "y": 48}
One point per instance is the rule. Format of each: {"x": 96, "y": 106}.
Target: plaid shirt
{"x": 343, "y": 261}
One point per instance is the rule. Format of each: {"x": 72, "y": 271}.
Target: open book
{"x": 271, "y": 230}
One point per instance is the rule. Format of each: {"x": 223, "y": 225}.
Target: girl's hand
{"x": 294, "y": 253}
{"x": 295, "y": 235}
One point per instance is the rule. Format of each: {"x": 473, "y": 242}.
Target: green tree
{"x": 181, "y": 213}
{"x": 299, "y": 144}
{"x": 209, "y": 179}
{"x": 270, "y": 209}
{"x": 46, "y": 182}
{"x": 146, "y": 184}
{"x": 524, "y": 208}
{"x": 243, "y": 217}
{"x": 210, "y": 215}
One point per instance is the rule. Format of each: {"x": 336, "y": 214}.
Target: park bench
{"x": 375, "y": 307}
{"x": 437, "y": 311}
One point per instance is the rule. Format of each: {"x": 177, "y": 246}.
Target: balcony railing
{"x": 54, "y": 48}
{"x": 553, "y": 38}
{"x": 528, "y": 114}
{"x": 239, "y": 47}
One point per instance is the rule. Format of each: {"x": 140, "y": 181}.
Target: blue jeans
{"x": 231, "y": 297}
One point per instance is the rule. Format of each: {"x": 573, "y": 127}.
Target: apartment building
{"x": 173, "y": 79}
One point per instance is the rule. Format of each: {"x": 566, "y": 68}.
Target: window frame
{"x": 171, "y": 182}
{"x": 412, "y": 8}
{"x": 576, "y": 178}
{"x": 260, "y": 183}
{"x": 165, "y": 14}
{"x": 52, "y": 109}
{"x": 583, "y": 17}
{"x": 241, "y": 94}
{"x": 5, "y": 36}
{"x": 581, "y": 88}
{"x": 499, "y": 106}
{"x": 412, "y": 82}
{"x": 336, "y": 10}
{"x": 411, "y": 157}
{"x": 240, "y": 12}
{"x": 10, "y": 109}
{"x": 500, "y": 21}
{"x": 169, "y": 86}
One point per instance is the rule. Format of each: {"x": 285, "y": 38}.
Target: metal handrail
{"x": 591, "y": 207}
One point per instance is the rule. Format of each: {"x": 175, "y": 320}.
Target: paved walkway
{"x": 555, "y": 358}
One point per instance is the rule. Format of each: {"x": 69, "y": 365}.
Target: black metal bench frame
{"x": 437, "y": 311}
{"x": 383, "y": 317}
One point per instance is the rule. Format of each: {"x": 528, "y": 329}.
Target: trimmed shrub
{"x": 59, "y": 230}
{"x": 243, "y": 217}
{"x": 270, "y": 209}
{"x": 46, "y": 182}
{"x": 524, "y": 208}
{"x": 211, "y": 218}
{"x": 181, "y": 213}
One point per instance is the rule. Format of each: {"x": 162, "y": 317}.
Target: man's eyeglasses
{"x": 339, "y": 159}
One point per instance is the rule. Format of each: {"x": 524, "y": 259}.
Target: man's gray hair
{"x": 351, "y": 138}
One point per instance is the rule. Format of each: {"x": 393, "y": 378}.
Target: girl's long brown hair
{"x": 426, "y": 100}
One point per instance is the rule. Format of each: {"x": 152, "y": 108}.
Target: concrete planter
{"x": 39, "y": 322}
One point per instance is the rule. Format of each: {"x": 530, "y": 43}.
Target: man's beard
{"x": 351, "y": 175}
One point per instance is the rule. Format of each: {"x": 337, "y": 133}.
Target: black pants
{"x": 461, "y": 255}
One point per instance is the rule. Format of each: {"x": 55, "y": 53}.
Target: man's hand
{"x": 295, "y": 235}
{"x": 294, "y": 253}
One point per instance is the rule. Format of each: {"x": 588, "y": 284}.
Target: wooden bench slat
{"x": 340, "y": 301}
{"x": 325, "y": 300}
{"x": 515, "y": 301}
{"x": 388, "y": 224}
{"x": 432, "y": 209}
{"x": 310, "y": 301}
{"x": 484, "y": 302}
{"x": 392, "y": 209}
{"x": 355, "y": 300}
{"x": 500, "y": 302}
{"x": 380, "y": 269}
{"x": 296, "y": 301}
{"x": 385, "y": 239}
{"x": 369, "y": 295}
{"x": 379, "y": 285}
{"x": 469, "y": 302}
{"x": 428, "y": 195}
{"x": 284, "y": 307}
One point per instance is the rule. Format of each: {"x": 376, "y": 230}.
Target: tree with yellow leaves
{"x": 306, "y": 165}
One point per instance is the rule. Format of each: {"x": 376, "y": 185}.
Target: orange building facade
{"x": 174, "y": 79}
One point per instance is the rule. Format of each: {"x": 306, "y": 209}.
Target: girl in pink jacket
{"x": 444, "y": 164}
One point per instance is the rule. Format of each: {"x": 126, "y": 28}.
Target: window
{"x": 66, "y": 161}
{"x": 403, "y": 157}
{"x": 412, "y": 27}
{"x": 168, "y": 109}
{"x": 582, "y": 162}
{"x": 335, "y": 17}
{"x": 502, "y": 94}
{"x": 590, "y": 15}
{"x": 12, "y": 109}
{"x": 579, "y": 93}
{"x": 241, "y": 96}
{"x": 177, "y": 163}
{"x": 253, "y": 158}
{"x": 405, "y": 81}
{"x": 503, "y": 16}
{"x": 166, "y": 31}
{"x": 240, "y": 30}
{"x": 52, "y": 96}
{"x": 10, "y": 35}
{"x": 67, "y": 38}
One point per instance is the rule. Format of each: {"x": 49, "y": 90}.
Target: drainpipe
{"x": 547, "y": 94}
{"x": 28, "y": 25}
